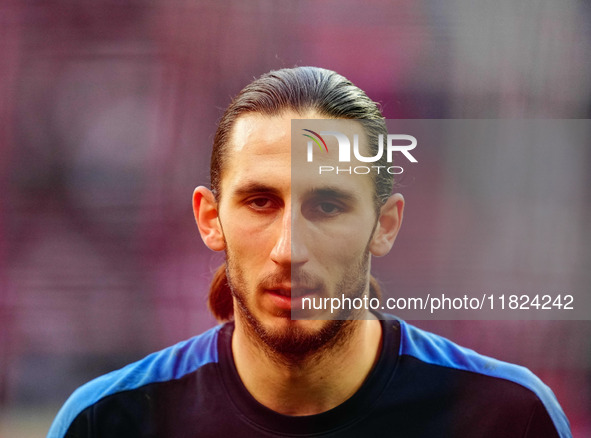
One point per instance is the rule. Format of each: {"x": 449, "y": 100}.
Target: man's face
{"x": 290, "y": 235}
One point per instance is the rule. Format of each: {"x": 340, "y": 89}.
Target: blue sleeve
{"x": 436, "y": 350}
{"x": 171, "y": 363}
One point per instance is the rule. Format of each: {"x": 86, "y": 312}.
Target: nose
{"x": 289, "y": 249}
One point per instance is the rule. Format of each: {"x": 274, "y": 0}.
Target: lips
{"x": 282, "y": 291}
{"x": 293, "y": 292}
{"x": 288, "y": 299}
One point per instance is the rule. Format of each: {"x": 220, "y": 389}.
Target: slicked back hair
{"x": 301, "y": 90}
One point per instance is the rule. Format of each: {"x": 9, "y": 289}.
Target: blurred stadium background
{"x": 107, "y": 112}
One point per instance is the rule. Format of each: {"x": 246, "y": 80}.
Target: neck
{"x": 312, "y": 384}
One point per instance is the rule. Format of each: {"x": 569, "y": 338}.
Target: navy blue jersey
{"x": 422, "y": 385}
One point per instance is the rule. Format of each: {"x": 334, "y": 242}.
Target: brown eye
{"x": 328, "y": 208}
{"x": 260, "y": 203}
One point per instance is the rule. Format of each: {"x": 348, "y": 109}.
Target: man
{"x": 289, "y": 234}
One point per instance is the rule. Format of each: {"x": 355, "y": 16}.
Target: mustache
{"x": 298, "y": 279}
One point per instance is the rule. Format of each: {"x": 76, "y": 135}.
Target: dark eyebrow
{"x": 331, "y": 192}
{"x": 253, "y": 188}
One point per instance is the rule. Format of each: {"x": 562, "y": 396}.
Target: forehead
{"x": 267, "y": 149}
{"x": 258, "y": 134}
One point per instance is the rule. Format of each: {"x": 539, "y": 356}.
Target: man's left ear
{"x": 388, "y": 226}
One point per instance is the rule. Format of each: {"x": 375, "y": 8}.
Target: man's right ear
{"x": 205, "y": 209}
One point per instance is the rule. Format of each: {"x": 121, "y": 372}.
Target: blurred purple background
{"x": 107, "y": 112}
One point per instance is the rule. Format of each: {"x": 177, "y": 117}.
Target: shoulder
{"x": 169, "y": 364}
{"x": 438, "y": 351}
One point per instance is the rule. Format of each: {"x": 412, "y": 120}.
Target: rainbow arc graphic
{"x": 315, "y": 140}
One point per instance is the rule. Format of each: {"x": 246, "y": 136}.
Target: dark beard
{"x": 294, "y": 344}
